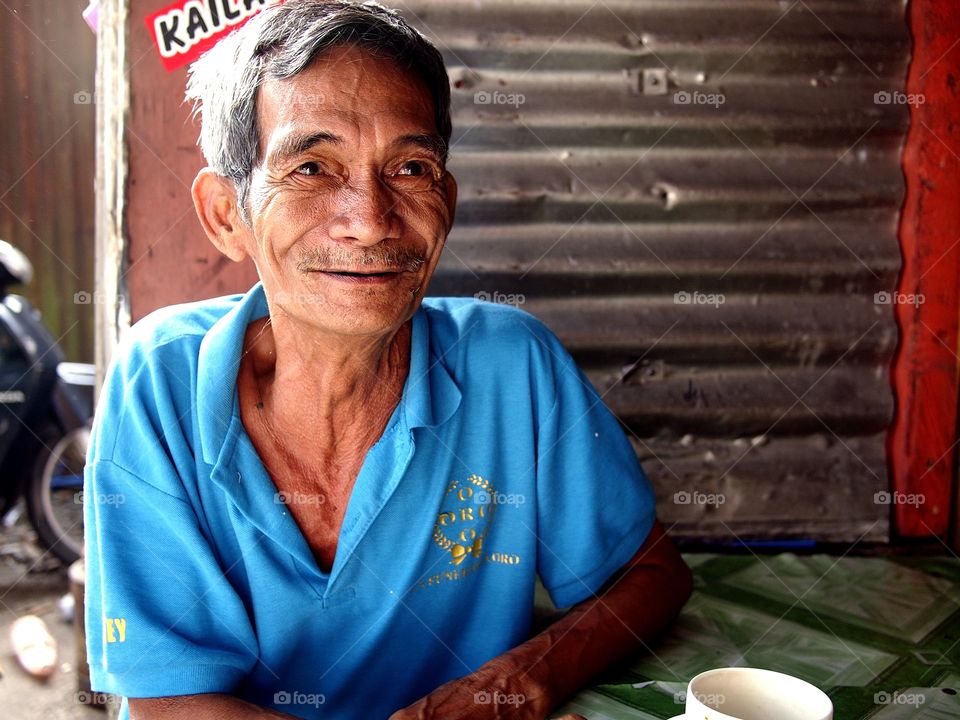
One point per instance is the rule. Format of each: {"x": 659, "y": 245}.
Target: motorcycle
{"x": 46, "y": 408}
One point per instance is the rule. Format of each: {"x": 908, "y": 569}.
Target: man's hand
{"x": 200, "y": 707}
{"x": 527, "y": 682}
{"x": 458, "y": 700}
{"x": 491, "y": 692}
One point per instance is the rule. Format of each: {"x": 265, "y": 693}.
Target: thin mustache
{"x": 322, "y": 258}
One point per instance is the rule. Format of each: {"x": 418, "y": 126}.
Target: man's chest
{"x": 430, "y": 517}
{"x": 314, "y": 477}
{"x": 316, "y": 491}
{"x": 429, "y": 569}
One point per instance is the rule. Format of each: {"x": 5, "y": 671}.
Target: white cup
{"x": 754, "y": 694}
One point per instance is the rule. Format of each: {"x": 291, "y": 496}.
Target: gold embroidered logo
{"x": 462, "y": 526}
{"x": 461, "y": 530}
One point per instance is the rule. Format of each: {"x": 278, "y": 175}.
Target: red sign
{"x": 186, "y": 29}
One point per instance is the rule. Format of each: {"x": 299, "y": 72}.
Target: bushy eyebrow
{"x": 434, "y": 144}
{"x": 295, "y": 145}
{"x": 292, "y": 146}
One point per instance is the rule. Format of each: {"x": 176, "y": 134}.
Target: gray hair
{"x": 280, "y": 42}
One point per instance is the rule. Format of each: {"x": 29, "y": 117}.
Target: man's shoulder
{"x": 173, "y": 329}
{"x": 465, "y": 328}
{"x": 151, "y": 383}
{"x": 472, "y": 321}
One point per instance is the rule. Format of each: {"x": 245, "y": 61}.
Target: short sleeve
{"x": 161, "y": 618}
{"x": 595, "y": 505}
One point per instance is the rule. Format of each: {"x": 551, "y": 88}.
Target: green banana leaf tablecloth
{"x": 880, "y": 635}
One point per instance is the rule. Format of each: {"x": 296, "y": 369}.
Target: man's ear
{"x": 215, "y": 199}
{"x": 451, "y": 192}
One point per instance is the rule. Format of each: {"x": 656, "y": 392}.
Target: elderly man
{"x": 337, "y": 493}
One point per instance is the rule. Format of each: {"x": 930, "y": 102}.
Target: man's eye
{"x": 415, "y": 168}
{"x": 414, "y": 175}
{"x": 309, "y": 168}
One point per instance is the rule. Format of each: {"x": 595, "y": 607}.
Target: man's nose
{"x": 365, "y": 212}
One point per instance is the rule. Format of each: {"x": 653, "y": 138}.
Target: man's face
{"x": 350, "y": 180}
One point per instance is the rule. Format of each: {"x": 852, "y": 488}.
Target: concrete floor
{"x": 34, "y": 582}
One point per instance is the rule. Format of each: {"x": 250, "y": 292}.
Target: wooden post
{"x": 112, "y": 315}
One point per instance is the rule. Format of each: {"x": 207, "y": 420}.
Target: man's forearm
{"x": 633, "y": 608}
{"x": 200, "y": 707}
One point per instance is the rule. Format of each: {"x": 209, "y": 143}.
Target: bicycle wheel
{"x": 55, "y": 495}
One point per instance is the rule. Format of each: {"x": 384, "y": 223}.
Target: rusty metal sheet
{"x": 47, "y": 162}
{"x": 701, "y": 200}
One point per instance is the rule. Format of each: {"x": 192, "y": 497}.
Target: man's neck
{"x": 330, "y": 385}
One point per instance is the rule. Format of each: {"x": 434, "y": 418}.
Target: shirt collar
{"x": 430, "y": 394}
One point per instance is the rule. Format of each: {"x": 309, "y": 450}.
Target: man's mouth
{"x": 362, "y": 273}
{"x": 365, "y": 276}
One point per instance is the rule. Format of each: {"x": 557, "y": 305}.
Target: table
{"x": 880, "y": 635}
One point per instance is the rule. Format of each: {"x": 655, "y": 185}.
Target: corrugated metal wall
{"x": 48, "y": 56}
{"x": 766, "y": 195}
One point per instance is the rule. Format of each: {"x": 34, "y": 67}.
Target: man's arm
{"x": 200, "y": 707}
{"x": 635, "y": 606}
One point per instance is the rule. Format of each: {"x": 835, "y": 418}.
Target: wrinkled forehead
{"x": 348, "y": 92}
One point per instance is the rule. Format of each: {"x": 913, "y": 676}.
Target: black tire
{"x": 54, "y": 492}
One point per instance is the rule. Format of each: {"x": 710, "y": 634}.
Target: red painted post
{"x": 923, "y": 439}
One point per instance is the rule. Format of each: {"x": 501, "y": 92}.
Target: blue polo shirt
{"x": 500, "y": 462}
